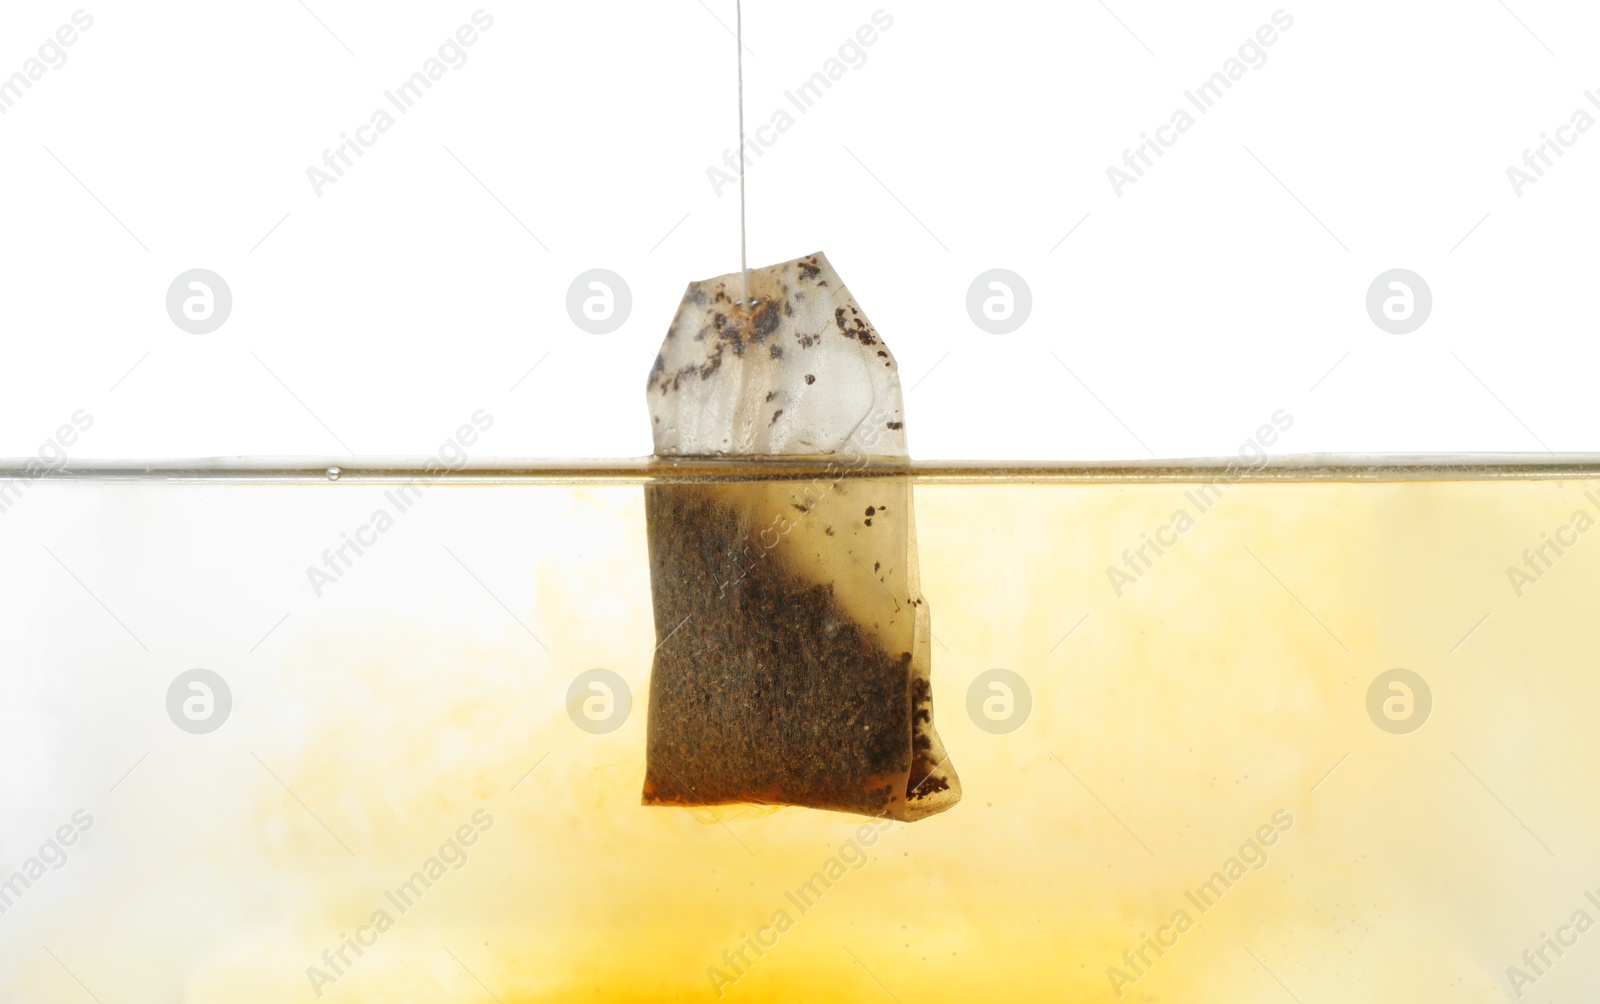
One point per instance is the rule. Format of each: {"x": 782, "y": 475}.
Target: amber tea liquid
{"x": 1320, "y": 736}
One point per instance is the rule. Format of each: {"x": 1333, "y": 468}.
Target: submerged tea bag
{"x": 792, "y": 659}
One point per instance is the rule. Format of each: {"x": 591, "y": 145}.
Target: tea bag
{"x": 792, "y": 659}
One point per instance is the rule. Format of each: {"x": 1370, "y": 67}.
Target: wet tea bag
{"x": 792, "y": 660}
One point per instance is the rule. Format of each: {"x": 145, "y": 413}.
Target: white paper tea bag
{"x": 793, "y": 658}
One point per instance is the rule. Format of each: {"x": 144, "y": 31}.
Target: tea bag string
{"x": 738, "y": 36}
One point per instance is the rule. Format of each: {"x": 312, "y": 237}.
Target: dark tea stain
{"x": 731, "y": 329}
{"x": 924, "y": 779}
{"x": 764, "y": 688}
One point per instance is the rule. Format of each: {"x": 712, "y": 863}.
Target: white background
{"x": 1226, "y": 284}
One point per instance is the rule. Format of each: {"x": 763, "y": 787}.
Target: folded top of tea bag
{"x": 795, "y": 369}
